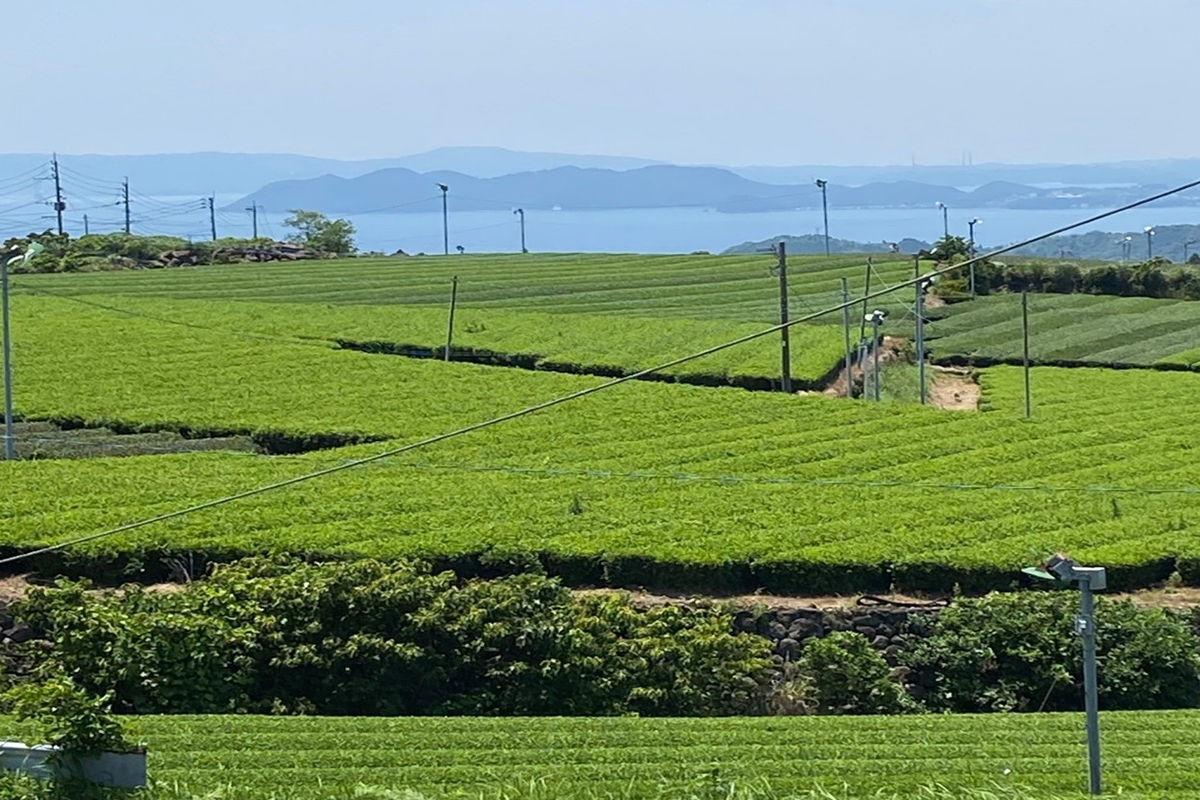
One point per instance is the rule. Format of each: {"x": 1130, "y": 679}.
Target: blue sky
{"x": 735, "y": 82}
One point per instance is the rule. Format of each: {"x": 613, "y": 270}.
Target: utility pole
{"x": 919, "y": 310}
{"x": 876, "y": 318}
{"x": 1025, "y": 350}
{"x": 85, "y": 225}
{"x": 450, "y": 324}
{"x": 59, "y": 205}
{"x": 862, "y": 329}
{"x": 971, "y": 225}
{"x": 253, "y": 209}
{"x": 212, "y": 217}
{"x": 846, "y": 335}
{"x": 9, "y": 445}
{"x": 821, "y": 184}
{"x": 785, "y": 346}
{"x": 445, "y": 220}
{"x": 521, "y": 213}
{"x": 125, "y": 200}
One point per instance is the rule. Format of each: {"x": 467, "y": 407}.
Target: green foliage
{"x": 68, "y": 717}
{"x": 847, "y": 676}
{"x": 1153, "y": 278}
{"x": 1018, "y": 652}
{"x": 318, "y": 232}
{"x": 392, "y": 639}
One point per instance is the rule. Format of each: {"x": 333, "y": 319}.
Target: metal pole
{"x": 445, "y": 221}
{"x": 59, "y": 205}
{"x": 450, "y": 324}
{"x": 825, "y": 212}
{"x": 9, "y": 446}
{"x": 971, "y": 245}
{"x": 1025, "y": 345}
{"x": 521, "y": 213}
{"x": 125, "y": 199}
{"x": 846, "y": 335}
{"x": 1087, "y": 630}
{"x": 862, "y": 328}
{"x": 875, "y": 345}
{"x": 784, "y": 343}
{"x": 919, "y": 309}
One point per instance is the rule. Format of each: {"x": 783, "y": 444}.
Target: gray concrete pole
{"x": 846, "y": 334}
{"x": 1087, "y": 631}
{"x": 9, "y": 445}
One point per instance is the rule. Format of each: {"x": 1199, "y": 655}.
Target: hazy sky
{"x": 736, "y": 82}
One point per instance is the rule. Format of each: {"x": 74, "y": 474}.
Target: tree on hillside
{"x": 318, "y": 232}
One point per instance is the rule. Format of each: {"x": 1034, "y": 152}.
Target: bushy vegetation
{"x": 1154, "y": 278}
{"x": 393, "y": 639}
{"x": 1018, "y": 652}
{"x": 100, "y": 252}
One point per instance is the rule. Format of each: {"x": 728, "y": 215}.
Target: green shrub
{"x": 845, "y": 675}
{"x": 68, "y": 717}
{"x": 1018, "y": 652}
{"x": 371, "y": 638}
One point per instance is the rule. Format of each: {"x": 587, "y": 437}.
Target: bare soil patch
{"x": 954, "y": 390}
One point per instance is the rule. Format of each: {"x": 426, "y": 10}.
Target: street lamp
{"x": 945, "y": 217}
{"x": 1064, "y": 572}
{"x": 821, "y": 184}
{"x": 11, "y": 257}
{"x": 971, "y": 228}
{"x": 1186, "y": 245}
{"x": 521, "y": 212}
{"x": 1149, "y": 242}
{"x": 445, "y": 220}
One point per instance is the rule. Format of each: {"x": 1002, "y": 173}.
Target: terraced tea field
{"x": 583, "y": 343}
{"x": 1147, "y": 754}
{"x": 641, "y": 484}
{"x": 739, "y": 288}
{"x": 1067, "y": 329}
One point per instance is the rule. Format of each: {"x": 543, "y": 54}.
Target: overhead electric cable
{"x": 557, "y": 401}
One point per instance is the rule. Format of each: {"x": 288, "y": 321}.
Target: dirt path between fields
{"x": 954, "y": 389}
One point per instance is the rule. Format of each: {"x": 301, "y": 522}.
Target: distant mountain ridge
{"x": 659, "y": 186}
{"x": 240, "y": 173}
{"x": 203, "y": 173}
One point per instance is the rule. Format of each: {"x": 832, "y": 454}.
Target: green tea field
{"x": 643, "y": 484}
{"x": 738, "y": 288}
{"x": 1067, "y": 329}
{"x": 1148, "y": 754}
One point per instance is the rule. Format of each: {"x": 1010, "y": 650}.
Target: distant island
{"x": 1176, "y": 243}
{"x": 399, "y": 190}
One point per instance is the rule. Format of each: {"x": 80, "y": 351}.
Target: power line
{"x": 571, "y": 396}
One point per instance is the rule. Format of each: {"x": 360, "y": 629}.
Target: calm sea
{"x": 665, "y": 230}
